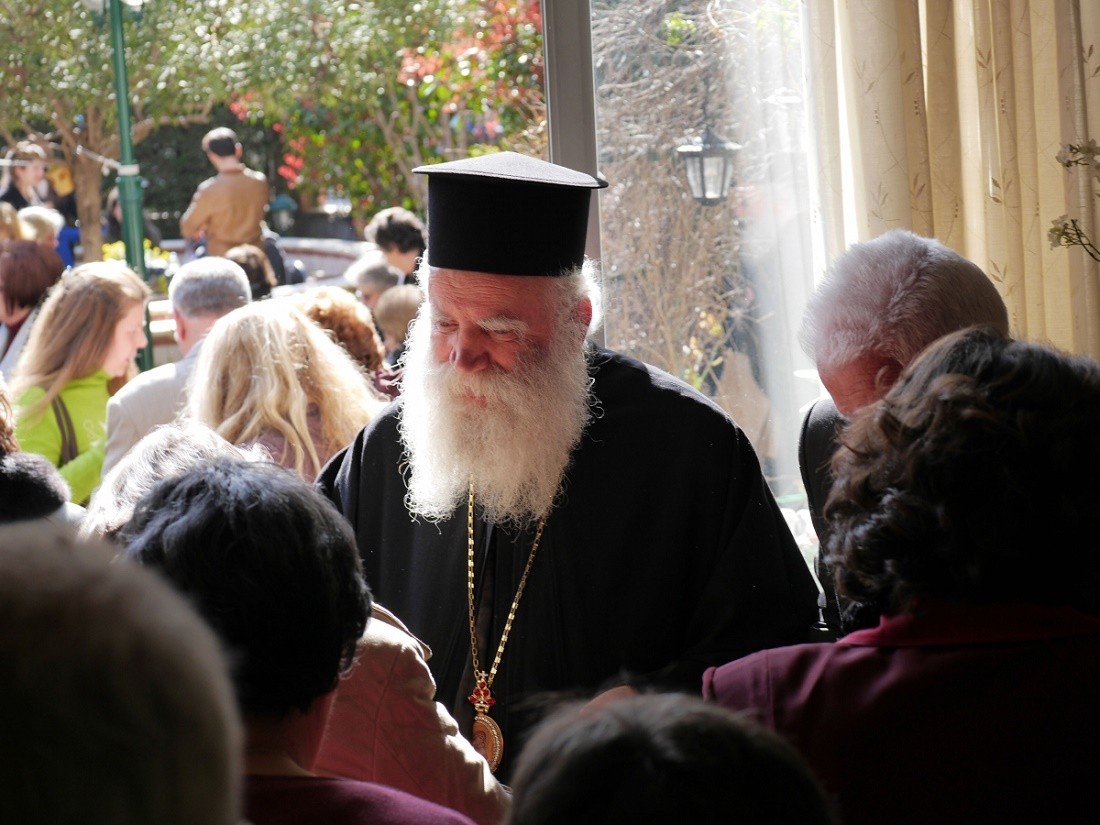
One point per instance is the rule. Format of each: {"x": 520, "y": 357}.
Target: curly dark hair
{"x": 396, "y": 228}
{"x": 975, "y": 479}
{"x": 270, "y": 564}
{"x": 347, "y": 320}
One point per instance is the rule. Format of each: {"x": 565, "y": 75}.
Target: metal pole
{"x": 129, "y": 177}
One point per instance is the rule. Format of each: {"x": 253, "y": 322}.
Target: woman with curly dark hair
{"x": 966, "y": 508}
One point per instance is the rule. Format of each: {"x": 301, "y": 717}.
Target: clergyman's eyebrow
{"x": 501, "y": 323}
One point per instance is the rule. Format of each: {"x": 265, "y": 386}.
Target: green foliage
{"x": 360, "y": 92}
{"x": 401, "y": 86}
{"x": 676, "y": 29}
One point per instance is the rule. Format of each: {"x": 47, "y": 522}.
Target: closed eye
{"x": 505, "y": 329}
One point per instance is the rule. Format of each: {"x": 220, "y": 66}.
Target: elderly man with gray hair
{"x": 201, "y": 292}
{"x": 879, "y": 305}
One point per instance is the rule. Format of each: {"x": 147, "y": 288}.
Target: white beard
{"x": 515, "y": 449}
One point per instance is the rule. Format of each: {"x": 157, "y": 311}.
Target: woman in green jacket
{"x": 81, "y": 349}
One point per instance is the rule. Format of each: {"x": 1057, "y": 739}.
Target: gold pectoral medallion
{"x": 488, "y": 740}
{"x": 485, "y": 732}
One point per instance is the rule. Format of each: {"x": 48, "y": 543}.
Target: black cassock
{"x": 666, "y": 554}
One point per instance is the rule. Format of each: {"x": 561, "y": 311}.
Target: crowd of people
{"x": 425, "y": 553}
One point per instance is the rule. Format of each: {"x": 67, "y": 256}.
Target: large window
{"x": 711, "y": 293}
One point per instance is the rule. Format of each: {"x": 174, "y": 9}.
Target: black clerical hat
{"x": 507, "y": 214}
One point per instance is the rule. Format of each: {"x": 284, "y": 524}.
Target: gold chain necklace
{"x": 486, "y": 736}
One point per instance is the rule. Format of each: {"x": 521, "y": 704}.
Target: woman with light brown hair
{"x": 26, "y": 169}
{"x": 81, "y": 348}
{"x": 268, "y": 375}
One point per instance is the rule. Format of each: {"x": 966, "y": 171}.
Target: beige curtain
{"x": 944, "y": 118}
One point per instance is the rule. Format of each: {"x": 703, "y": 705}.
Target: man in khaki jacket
{"x": 227, "y": 209}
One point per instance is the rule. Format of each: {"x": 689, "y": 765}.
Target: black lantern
{"x": 708, "y": 161}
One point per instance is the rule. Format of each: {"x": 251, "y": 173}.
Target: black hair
{"x": 221, "y": 142}
{"x": 270, "y": 564}
{"x": 661, "y": 758}
{"x": 397, "y": 228}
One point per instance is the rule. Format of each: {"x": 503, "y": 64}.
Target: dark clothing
{"x": 13, "y": 196}
{"x": 816, "y": 445}
{"x": 306, "y": 800}
{"x": 667, "y": 553}
{"x": 959, "y": 714}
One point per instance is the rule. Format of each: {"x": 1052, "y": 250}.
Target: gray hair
{"x": 372, "y": 271}
{"x": 893, "y": 296}
{"x": 168, "y": 451}
{"x": 209, "y": 286}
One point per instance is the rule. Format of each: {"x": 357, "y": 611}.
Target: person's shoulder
{"x": 29, "y": 396}
{"x": 252, "y": 174}
{"x": 339, "y": 801}
{"x": 206, "y": 184}
{"x": 94, "y": 383}
{"x": 386, "y": 630}
{"x": 823, "y": 413}
{"x": 622, "y": 381}
{"x": 795, "y": 663}
{"x": 152, "y": 381}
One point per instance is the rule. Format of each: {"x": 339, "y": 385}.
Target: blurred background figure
{"x": 347, "y": 320}
{"x": 45, "y": 225}
{"x": 256, "y": 265}
{"x": 395, "y": 311}
{"x": 401, "y": 237}
{"x": 81, "y": 349}
{"x": 268, "y": 375}
{"x": 20, "y": 179}
{"x": 115, "y": 701}
{"x": 11, "y": 228}
{"x": 661, "y": 758}
{"x": 228, "y": 209}
{"x": 275, "y": 570}
{"x": 964, "y": 509}
{"x": 371, "y": 275}
{"x": 112, "y": 221}
{"x": 27, "y": 271}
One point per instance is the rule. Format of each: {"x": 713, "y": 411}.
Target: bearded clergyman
{"x": 550, "y": 516}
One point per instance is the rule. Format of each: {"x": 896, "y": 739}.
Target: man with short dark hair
{"x": 545, "y": 514}
{"x": 201, "y": 292}
{"x": 400, "y": 236}
{"x": 227, "y": 209}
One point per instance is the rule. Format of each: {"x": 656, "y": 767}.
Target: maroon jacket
{"x": 306, "y": 800}
{"x": 959, "y": 714}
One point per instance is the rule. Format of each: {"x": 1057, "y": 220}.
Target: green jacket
{"x": 86, "y": 401}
